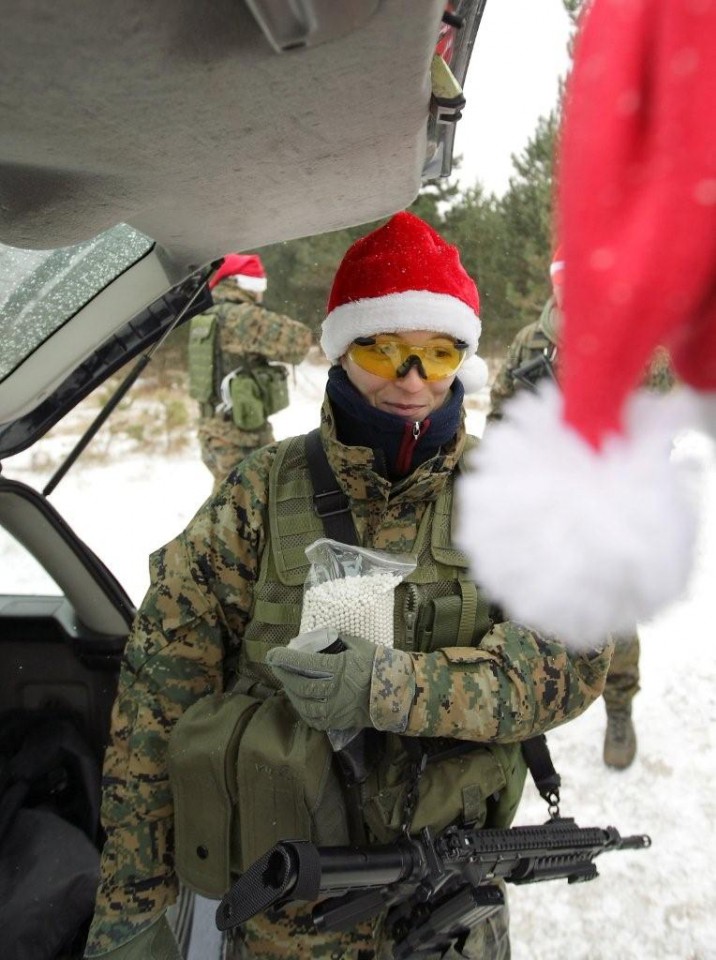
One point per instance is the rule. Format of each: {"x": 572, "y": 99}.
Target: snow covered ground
{"x": 657, "y": 903}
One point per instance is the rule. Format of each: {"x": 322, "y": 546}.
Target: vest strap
{"x": 468, "y": 613}
{"x": 329, "y": 502}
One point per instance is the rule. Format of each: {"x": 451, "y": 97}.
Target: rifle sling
{"x": 329, "y": 501}
{"x": 334, "y": 510}
{"x": 539, "y": 763}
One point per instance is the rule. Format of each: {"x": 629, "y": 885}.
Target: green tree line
{"x": 505, "y": 244}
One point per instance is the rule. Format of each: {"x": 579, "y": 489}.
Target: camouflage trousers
{"x": 223, "y": 445}
{"x": 623, "y": 676}
{"x": 288, "y": 934}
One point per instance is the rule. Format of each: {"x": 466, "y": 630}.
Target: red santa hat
{"x": 404, "y": 276}
{"x": 245, "y": 269}
{"x": 590, "y": 528}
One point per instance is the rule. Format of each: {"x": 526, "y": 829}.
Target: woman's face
{"x": 410, "y": 397}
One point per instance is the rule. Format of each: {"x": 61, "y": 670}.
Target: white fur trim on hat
{"x": 473, "y": 374}
{"x": 252, "y": 284}
{"x": 573, "y": 541}
{"x": 412, "y": 310}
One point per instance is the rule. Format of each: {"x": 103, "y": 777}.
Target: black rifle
{"x": 530, "y": 373}
{"x": 434, "y": 889}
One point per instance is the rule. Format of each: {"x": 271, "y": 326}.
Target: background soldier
{"x": 230, "y": 347}
{"x": 531, "y": 356}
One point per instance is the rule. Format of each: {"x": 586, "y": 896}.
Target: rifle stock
{"x": 433, "y": 889}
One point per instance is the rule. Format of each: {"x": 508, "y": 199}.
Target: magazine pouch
{"x": 203, "y": 751}
{"x": 293, "y": 788}
{"x": 272, "y": 380}
{"x": 247, "y": 405}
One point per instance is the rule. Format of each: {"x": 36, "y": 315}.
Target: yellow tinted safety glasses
{"x": 390, "y": 357}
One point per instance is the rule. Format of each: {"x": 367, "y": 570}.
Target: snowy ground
{"x": 659, "y": 903}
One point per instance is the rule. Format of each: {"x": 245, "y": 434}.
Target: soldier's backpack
{"x": 202, "y": 357}
{"x": 254, "y": 391}
{"x": 49, "y": 816}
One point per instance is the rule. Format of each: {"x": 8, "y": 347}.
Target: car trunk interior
{"x": 60, "y": 656}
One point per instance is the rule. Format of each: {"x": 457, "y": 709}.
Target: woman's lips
{"x": 406, "y": 409}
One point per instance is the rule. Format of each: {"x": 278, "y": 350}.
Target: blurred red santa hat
{"x": 602, "y": 530}
{"x": 245, "y": 269}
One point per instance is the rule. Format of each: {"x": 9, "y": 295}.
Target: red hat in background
{"x": 556, "y": 268}
{"x": 590, "y": 527}
{"x": 404, "y": 276}
{"x": 245, "y": 268}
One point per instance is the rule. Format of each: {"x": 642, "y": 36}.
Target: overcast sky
{"x": 519, "y": 54}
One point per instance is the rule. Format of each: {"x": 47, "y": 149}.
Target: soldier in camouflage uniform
{"x": 531, "y": 356}
{"x": 243, "y": 335}
{"x": 226, "y": 597}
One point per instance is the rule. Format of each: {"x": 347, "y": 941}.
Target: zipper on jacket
{"x": 411, "y": 434}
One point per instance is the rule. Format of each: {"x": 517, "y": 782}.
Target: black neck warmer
{"x": 360, "y": 424}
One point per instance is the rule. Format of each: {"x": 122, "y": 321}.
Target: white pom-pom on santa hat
{"x": 402, "y": 276}
{"x": 473, "y": 374}
{"x": 573, "y": 541}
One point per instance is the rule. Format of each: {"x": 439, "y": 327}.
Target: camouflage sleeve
{"x": 194, "y": 612}
{"x": 515, "y": 685}
{"x": 251, "y": 328}
{"x": 504, "y": 385}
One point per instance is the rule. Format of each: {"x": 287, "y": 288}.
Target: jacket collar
{"x": 400, "y": 446}
{"x": 359, "y": 474}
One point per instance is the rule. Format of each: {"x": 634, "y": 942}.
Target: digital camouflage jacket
{"x": 515, "y": 685}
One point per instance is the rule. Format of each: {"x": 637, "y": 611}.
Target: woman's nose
{"x": 412, "y": 380}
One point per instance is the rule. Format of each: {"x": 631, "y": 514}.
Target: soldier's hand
{"x": 155, "y": 943}
{"x": 328, "y": 690}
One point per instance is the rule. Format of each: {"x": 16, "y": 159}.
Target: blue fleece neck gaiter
{"x": 389, "y": 436}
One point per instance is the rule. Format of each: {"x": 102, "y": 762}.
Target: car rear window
{"x": 41, "y": 289}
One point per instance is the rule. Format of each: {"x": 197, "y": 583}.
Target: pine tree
{"x": 527, "y": 212}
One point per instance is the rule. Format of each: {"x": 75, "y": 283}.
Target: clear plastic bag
{"x": 350, "y": 590}
{"x": 353, "y": 589}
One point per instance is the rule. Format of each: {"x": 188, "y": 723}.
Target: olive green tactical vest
{"x": 440, "y": 581}
{"x": 437, "y": 606}
{"x": 246, "y": 773}
{"x": 202, "y": 357}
